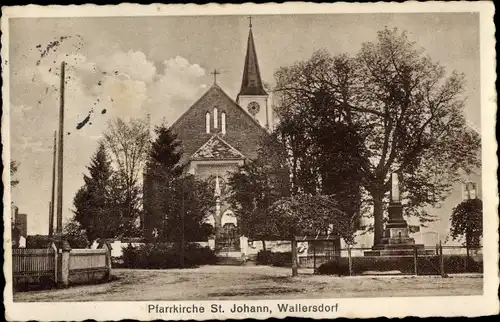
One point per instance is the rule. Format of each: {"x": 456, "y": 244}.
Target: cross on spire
{"x": 250, "y": 19}
{"x": 215, "y": 73}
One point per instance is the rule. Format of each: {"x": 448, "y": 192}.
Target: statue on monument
{"x": 395, "y": 198}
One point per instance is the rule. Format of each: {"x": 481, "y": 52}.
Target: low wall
{"x": 88, "y": 266}
{"x": 46, "y": 267}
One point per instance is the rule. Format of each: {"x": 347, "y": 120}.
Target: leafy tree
{"x": 467, "y": 221}
{"x": 406, "y": 112}
{"x": 94, "y": 202}
{"x": 308, "y": 215}
{"x": 256, "y": 186}
{"x": 75, "y": 235}
{"x": 14, "y": 166}
{"x": 128, "y": 143}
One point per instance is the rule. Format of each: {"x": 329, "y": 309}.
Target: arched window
{"x": 216, "y": 118}
{"x": 223, "y": 122}
{"x": 207, "y": 122}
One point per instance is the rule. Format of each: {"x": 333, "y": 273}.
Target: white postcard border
{"x": 347, "y": 307}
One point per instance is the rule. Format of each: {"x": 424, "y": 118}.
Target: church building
{"x": 219, "y": 134}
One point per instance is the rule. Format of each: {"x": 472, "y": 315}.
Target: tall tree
{"x": 128, "y": 143}
{"x": 467, "y": 222}
{"x": 176, "y": 204}
{"x": 14, "y": 166}
{"x": 94, "y": 201}
{"x": 256, "y": 186}
{"x": 406, "y": 110}
{"x": 189, "y": 202}
{"x": 162, "y": 168}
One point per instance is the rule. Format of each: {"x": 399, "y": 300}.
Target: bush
{"x": 462, "y": 264}
{"x": 339, "y": 266}
{"x": 37, "y": 241}
{"x": 266, "y": 257}
{"x": 282, "y": 259}
{"x": 161, "y": 255}
{"x": 426, "y": 265}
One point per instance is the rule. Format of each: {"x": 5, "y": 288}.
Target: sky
{"x": 131, "y": 66}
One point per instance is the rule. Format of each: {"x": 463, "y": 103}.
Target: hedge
{"x": 425, "y": 265}
{"x": 160, "y": 255}
{"x": 267, "y": 257}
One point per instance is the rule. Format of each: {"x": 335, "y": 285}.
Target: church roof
{"x": 243, "y": 132}
{"x": 217, "y": 149}
{"x": 252, "y": 82}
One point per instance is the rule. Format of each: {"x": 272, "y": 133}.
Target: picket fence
{"x": 34, "y": 263}
{"x": 40, "y": 266}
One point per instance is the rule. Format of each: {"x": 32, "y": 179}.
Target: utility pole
{"x": 182, "y": 224}
{"x": 60, "y": 156}
{"x": 51, "y": 210}
{"x": 51, "y": 219}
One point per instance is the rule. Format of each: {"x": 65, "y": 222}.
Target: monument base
{"x": 397, "y": 242}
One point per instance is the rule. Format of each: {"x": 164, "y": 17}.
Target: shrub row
{"x": 425, "y": 265}
{"x": 267, "y": 257}
{"x": 160, "y": 255}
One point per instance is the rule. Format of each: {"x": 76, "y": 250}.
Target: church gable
{"x": 217, "y": 149}
{"x": 214, "y": 110}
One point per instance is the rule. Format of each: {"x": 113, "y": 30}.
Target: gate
{"x": 229, "y": 239}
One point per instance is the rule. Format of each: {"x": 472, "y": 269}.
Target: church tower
{"x": 252, "y": 97}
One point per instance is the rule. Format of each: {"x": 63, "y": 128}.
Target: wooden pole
{"x": 51, "y": 219}
{"x": 415, "y": 259}
{"x": 52, "y": 198}
{"x": 182, "y": 224}
{"x": 314, "y": 258}
{"x": 441, "y": 260}
{"x": 60, "y": 155}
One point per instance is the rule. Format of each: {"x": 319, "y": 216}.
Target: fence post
{"x": 108, "y": 248}
{"x": 441, "y": 260}
{"x": 415, "y": 259}
{"x": 314, "y": 259}
{"x": 53, "y": 246}
{"x": 64, "y": 267}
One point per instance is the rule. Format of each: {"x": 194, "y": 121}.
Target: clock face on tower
{"x": 253, "y": 108}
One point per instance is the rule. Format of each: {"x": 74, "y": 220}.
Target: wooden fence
{"x": 34, "y": 265}
{"x": 45, "y": 267}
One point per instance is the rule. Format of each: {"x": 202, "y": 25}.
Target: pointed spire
{"x": 251, "y": 83}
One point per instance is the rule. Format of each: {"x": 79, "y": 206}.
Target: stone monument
{"x": 396, "y": 240}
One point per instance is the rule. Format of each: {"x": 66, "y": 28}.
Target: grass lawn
{"x": 252, "y": 282}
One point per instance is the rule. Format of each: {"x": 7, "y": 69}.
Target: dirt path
{"x": 253, "y": 282}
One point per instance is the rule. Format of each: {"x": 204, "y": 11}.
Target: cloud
{"x": 133, "y": 64}
{"x": 125, "y": 97}
{"x": 173, "y": 92}
{"x": 123, "y": 84}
